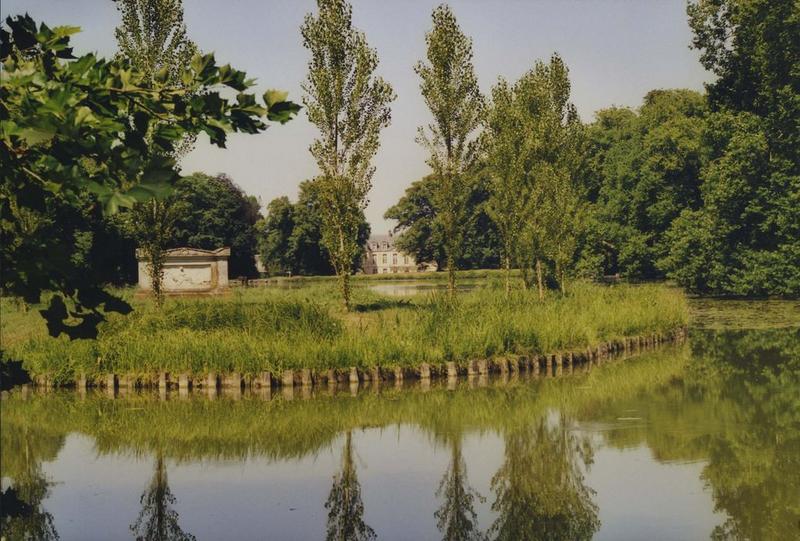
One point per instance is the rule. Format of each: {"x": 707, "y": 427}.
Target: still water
{"x": 698, "y": 441}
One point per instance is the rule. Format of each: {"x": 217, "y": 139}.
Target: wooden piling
{"x": 233, "y": 380}
{"x": 452, "y": 369}
{"x": 264, "y": 380}
{"x": 425, "y": 371}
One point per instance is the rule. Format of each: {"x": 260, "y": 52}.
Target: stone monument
{"x": 189, "y": 271}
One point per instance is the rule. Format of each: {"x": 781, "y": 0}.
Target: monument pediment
{"x": 191, "y": 252}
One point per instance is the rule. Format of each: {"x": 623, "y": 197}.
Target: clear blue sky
{"x": 616, "y": 51}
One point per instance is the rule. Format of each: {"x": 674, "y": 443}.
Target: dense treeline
{"x": 423, "y": 236}
{"x": 702, "y": 188}
{"x": 290, "y": 237}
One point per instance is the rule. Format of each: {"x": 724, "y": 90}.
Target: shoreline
{"x": 553, "y": 364}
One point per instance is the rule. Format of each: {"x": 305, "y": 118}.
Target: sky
{"x": 616, "y": 50}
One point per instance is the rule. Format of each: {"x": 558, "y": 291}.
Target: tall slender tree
{"x": 152, "y": 37}
{"x": 533, "y": 153}
{"x": 553, "y": 210}
{"x": 349, "y": 105}
{"x": 450, "y": 89}
{"x": 507, "y": 155}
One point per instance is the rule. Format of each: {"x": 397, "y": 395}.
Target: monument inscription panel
{"x": 189, "y": 270}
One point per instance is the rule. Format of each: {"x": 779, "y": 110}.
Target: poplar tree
{"x": 153, "y": 38}
{"x": 450, "y": 90}
{"x": 554, "y": 205}
{"x": 349, "y": 105}
{"x": 532, "y": 150}
{"x": 507, "y": 156}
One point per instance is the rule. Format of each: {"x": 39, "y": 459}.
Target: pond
{"x": 695, "y": 441}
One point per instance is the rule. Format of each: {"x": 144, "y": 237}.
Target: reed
{"x": 273, "y": 329}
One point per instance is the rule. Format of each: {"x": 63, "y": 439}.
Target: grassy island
{"x": 273, "y": 329}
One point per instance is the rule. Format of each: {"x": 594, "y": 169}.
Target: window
{"x": 394, "y": 259}
{"x": 384, "y": 258}
{"x": 405, "y": 260}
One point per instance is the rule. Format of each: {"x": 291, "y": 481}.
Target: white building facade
{"x": 381, "y": 256}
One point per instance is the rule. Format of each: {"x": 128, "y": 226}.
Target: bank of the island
{"x": 285, "y": 336}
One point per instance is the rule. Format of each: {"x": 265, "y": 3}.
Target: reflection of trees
{"x": 344, "y": 505}
{"x": 540, "y": 493}
{"x": 754, "y": 458}
{"x": 21, "y": 513}
{"x": 736, "y": 407}
{"x": 456, "y": 518}
{"x": 157, "y": 520}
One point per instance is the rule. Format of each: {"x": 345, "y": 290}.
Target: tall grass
{"x": 275, "y": 329}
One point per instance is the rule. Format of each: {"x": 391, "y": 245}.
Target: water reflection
{"x": 518, "y": 463}
{"x": 158, "y": 520}
{"x": 25, "y": 486}
{"x": 345, "y": 506}
{"x": 540, "y": 490}
{"x": 456, "y": 519}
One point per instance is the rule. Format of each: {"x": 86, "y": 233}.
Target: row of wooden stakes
{"x": 424, "y": 371}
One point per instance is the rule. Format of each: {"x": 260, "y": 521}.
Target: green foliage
{"x": 152, "y": 37}
{"x": 421, "y": 234}
{"x": 745, "y": 240}
{"x": 533, "y": 150}
{"x": 212, "y": 212}
{"x": 751, "y": 186}
{"x": 349, "y": 105}
{"x": 290, "y": 237}
{"x": 72, "y": 127}
{"x": 644, "y": 170}
{"x": 450, "y": 90}
{"x": 278, "y": 328}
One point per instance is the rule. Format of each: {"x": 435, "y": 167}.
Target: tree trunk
{"x": 344, "y": 283}
{"x": 539, "y": 278}
{"x": 451, "y": 275}
{"x": 344, "y": 272}
{"x": 508, "y": 275}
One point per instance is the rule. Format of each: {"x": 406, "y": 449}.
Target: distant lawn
{"x": 274, "y": 328}
{"x": 471, "y": 274}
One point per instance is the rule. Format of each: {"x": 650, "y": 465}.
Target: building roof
{"x": 380, "y": 242}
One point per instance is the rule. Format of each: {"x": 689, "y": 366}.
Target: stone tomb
{"x": 189, "y": 270}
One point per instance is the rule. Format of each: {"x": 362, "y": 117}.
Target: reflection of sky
{"x": 640, "y": 498}
{"x": 97, "y": 497}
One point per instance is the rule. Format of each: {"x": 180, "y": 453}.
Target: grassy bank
{"x": 274, "y": 329}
